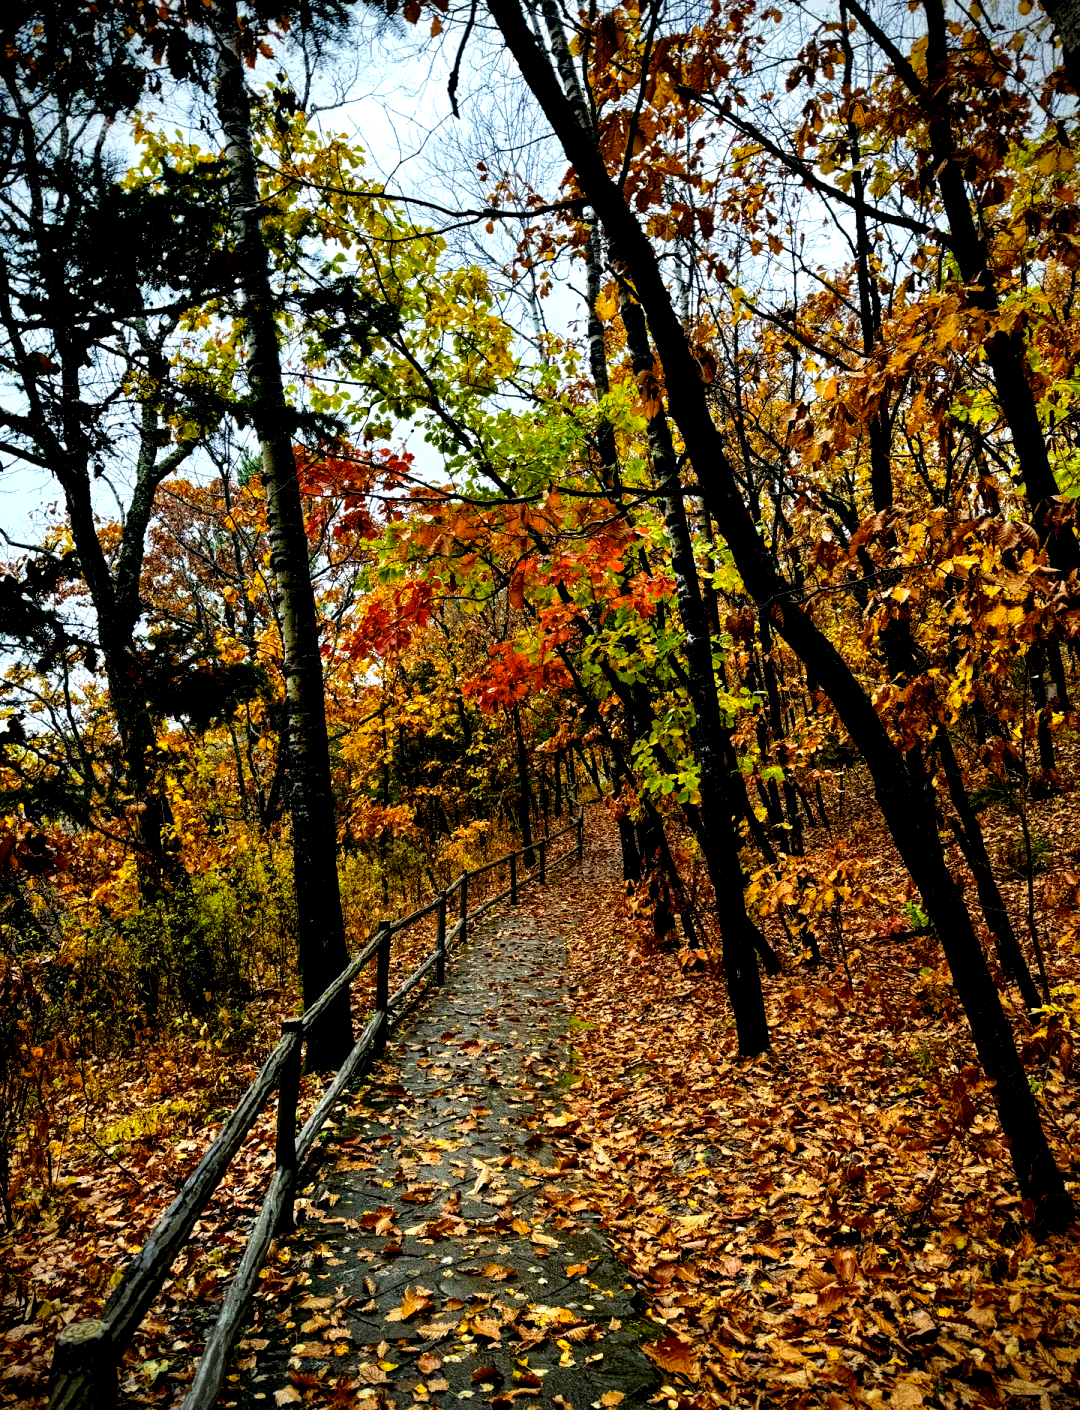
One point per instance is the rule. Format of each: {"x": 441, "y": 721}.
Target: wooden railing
{"x": 87, "y": 1354}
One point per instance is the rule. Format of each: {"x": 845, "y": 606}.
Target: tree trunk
{"x": 1005, "y": 350}
{"x": 1065, "y": 17}
{"x": 909, "y": 813}
{"x": 973, "y": 845}
{"x": 718, "y": 838}
{"x": 320, "y": 927}
{"x": 524, "y": 793}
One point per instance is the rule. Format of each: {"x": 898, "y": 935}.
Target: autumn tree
{"x": 902, "y": 783}
{"x": 91, "y": 394}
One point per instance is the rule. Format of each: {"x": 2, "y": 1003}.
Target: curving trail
{"x": 440, "y": 1255}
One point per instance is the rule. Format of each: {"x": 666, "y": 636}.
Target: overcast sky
{"x": 387, "y": 89}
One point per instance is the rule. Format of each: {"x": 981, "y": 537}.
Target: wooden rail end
{"x": 83, "y": 1368}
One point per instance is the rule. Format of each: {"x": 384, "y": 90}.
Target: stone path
{"x": 446, "y": 1257}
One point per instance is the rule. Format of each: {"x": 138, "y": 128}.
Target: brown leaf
{"x": 420, "y": 1195}
{"x": 845, "y": 1263}
{"x": 435, "y": 1331}
{"x": 484, "y": 1374}
{"x": 371, "y": 1375}
{"x": 498, "y": 1272}
{"x": 906, "y": 1396}
{"x": 428, "y": 1362}
{"x": 306, "y": 1380}
{"x": 673, "y": 1355}
{"x": 580, "y": 1334}
{"x": 485, "y": 1327}
{"x": 831, "y": 1297}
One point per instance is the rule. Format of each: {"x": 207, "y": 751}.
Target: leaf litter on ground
{"x": 834, "y": 1223}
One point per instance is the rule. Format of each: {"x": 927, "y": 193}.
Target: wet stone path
{"x": 442, "y": 1254}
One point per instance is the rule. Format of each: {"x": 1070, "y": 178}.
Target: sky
{"x": 387, "y": 89}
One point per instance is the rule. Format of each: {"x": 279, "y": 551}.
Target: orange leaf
{"x": 498, "y": 1272}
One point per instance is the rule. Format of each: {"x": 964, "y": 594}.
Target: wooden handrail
{"x": 87, "y": 1354}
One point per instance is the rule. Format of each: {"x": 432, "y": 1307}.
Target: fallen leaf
{"x": 435, "y": 1331}
{"x": 671, "y": 1354}
{"x": 484, "y": 1374}
{"x": 371, "y": 1375}
{"x": 485, "y": 1327}
{"x": 906, "y": 1396}
{"x": 415, "y": 1300}
{"x": 498, "y": 1272}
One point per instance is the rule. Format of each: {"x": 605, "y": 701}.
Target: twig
{"x": 451, "y": 87}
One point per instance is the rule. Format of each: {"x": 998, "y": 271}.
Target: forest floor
{"x": 833, "y": 1223}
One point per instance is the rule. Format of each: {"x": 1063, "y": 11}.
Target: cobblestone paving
{"x": 443, "y": 1257}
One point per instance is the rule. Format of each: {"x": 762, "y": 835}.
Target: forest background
{"x": 694, "y": 426}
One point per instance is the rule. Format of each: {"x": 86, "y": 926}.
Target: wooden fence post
{"x": 382, "y": 987}
{"x": 543, "y": 861}
{"x": 581, "y": 834}
{"x": 288, "y": 1096}
{"x": 513, "y": 878}
{"x": 464, "y": 913}
{"x": 83, "y": 1368}
{"x": 440, "y": 942}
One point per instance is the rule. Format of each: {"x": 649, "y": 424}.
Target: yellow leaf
{"x": 607, "y": 302}
{"x": 948, "y": 331}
